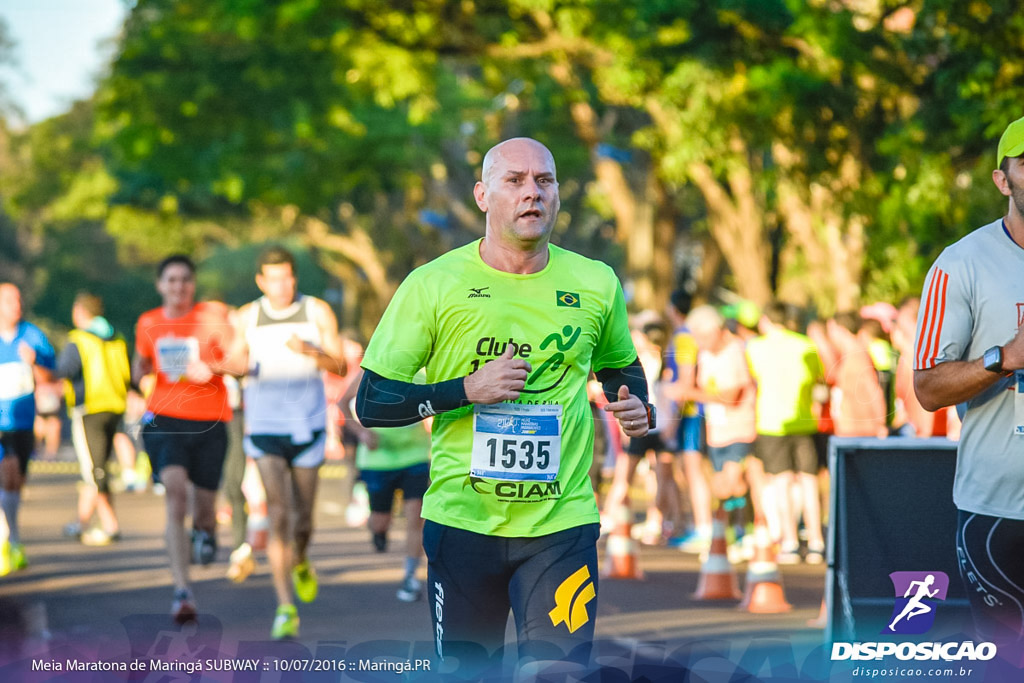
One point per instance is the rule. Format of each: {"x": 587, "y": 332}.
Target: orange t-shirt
{"x": 171, "y": 343}
{"x": 858, "y": 404}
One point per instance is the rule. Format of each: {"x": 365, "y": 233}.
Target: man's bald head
{"x": 497, "y": 152}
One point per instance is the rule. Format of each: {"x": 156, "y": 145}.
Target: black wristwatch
{"x": 652, "y": 416}
{"x": 993, "y": 359}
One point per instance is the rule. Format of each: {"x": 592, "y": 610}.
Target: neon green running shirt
{"x": 456, "y": 312}
{"x": 786, "y": 367}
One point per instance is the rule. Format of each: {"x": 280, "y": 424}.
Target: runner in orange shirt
{"x": 184, "y": 344}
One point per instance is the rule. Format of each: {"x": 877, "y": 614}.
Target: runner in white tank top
{"x": 284, "y": 341}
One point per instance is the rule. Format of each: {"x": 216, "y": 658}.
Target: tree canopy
{"x": 821, "y": 151}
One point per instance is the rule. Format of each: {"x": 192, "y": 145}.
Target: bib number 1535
{"x": 515, "y": 442}
{"x": 508, "y": 452}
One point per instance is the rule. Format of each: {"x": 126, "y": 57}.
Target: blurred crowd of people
{"x": 748, "y": 399}
{"x": 179, "y": 418}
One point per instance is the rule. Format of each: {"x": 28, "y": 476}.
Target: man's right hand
{"x": 1013, "y": 351}
{"x": 498, "y": 380}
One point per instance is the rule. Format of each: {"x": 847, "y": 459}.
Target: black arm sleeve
{"x": 383, "y": 402}
{"x": 631, "y": 375}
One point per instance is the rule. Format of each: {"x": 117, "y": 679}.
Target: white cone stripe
{"x": 620, "y": 545}
{"x": 716, "y": 564}
{"x": 754, "y": 576}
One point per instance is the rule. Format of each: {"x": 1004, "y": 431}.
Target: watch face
{"x": 993, "y": 359}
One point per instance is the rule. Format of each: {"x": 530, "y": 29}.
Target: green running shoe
{"x": 18, "y": 559}
{"x": 286, "y": 623}
{"x": 304, "y": 578}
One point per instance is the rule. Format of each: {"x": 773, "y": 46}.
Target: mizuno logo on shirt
{"x": 478, "y": 293}
{"x": 426, "y": 410}
{"x": 571, "y": 600}
{"x": 568, "y": 299}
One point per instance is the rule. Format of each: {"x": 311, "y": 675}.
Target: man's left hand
{"x": 302, "y": 347}
{"x": 630, "y": 412}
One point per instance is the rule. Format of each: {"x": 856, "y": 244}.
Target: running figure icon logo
{"x": 916, "y": 595}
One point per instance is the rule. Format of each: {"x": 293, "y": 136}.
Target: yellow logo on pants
{"x": 571, "y": 600}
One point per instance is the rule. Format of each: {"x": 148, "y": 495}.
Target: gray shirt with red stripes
{"x": 973, "y": 299}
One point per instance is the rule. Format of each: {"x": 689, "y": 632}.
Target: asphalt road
{"x": 111, "y": 605}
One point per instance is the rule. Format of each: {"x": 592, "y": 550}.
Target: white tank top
{"x": 284, "y": 391}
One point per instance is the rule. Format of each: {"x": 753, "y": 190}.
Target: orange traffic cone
{"x": 622, "y": 560}
{"x": 764, "y": 593}
{"x": 717, "y": 577}
{"x": 257, "y": 527}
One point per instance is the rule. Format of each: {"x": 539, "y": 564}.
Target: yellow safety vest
{"x": 105, "y": 371}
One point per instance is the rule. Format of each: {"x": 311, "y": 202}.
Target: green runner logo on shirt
{"x": 555, "y": 362}
{"x": 568, "y": 299}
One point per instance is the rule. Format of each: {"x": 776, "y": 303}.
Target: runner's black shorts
{"x": 93, "y": 438}
{"x": 639, "y": 445}
{"x": 991, "y": 564}
{"x": 548, "y": 582}
{"x": 306, "y": 454}
{"x": 197, "y": 445}
{"x": 382, "y": 484}
{"x": 19, "y": 444}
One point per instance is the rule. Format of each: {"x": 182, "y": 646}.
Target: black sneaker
{"x": 204, "y": 547}
{"x": 380, "y": 542}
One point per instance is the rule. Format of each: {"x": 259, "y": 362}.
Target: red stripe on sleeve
{"x": 942, "y": 316}
{"x": 934, "y": 317}
{"x": 926, "y": 320}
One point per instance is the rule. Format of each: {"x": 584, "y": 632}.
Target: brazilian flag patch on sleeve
{"x": 569, "y": 299}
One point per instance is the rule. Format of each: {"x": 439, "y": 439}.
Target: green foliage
{"x": 228, "y": 274}
{"x": 226, "y": 123}
{"x": 222, "y": 103}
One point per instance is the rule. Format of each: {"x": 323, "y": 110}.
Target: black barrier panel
{"x": 891, "y": 510}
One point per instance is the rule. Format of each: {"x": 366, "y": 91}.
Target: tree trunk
{"x": 736, "y": 222}
{"x": 357, "y": 248}
{"x": 634, "y": 215}
{"x": 832, "y": 245}
{"x": 665, "y": 233}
